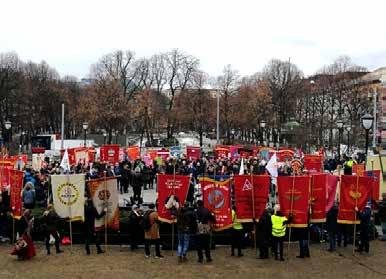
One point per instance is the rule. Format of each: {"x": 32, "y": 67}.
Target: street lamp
{"x": 348, "y": 128}
{"x": 367, "y": 123}
{"x": 339, "y": 123}
{"x": 104, "y": 137}
{"x": 85, "y": 127}
{"x": 22, "y": 134}
{"x": 262, "y": 126}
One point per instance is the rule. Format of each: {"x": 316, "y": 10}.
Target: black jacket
{"x": 332, "y": 220}
{"x": 90, "y": 214}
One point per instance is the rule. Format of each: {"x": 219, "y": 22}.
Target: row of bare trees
{"x": 168, "y": 93}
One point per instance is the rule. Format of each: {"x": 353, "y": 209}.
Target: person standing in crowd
{"x": 151, "y": 228}
{"x": 204, "y": 219}
{"x": 25, "y": 248}
{"x": 3, "y": 221}
{"x": 185, "y": 227}
{"x": 136, "y": 182}
{"x": 237, "y": 235}
{"x": 382, "y": 215}
{"x": 365, "y": 218}
{"x": 28, "y": 196}
{"x": 304, "y": 250}
{"x": 136, "y": 231}
{"x": 51, "y": 219}
{"x": 279, "y": 225}
{"x": 347, "y": 167}
{"x": 264, "y": 234}
{"x": 125, "y": 178}
{"x": 91, "y": 214}
{"x": 332, "y": 227}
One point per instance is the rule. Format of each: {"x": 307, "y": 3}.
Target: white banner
{"x": 37, "y": 161}
{"x": 105, "y": 194}
{"x": 68, "y": 195}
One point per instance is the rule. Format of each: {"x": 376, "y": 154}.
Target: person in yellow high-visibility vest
{"x": 237, "y": 234}
{"x": 279, "y": 225}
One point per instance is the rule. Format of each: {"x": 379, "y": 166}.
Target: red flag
{"x": 16, "y": 182}
{"x": 285, "y": 154}
{"x": 318, "y": 198}
{"x": 193, "y": 152}
{"x": 217, "y": 198}
{"x": 332, "y": 182}
{"x": 110, "y": 153}
{"x": 354, "y": 191}
{"x": 294, "y": 194}
{"x": 133, "y": 153}
{"x": 313, "y": 163}
{"x": 376, "y": 174}
{"x": 243, "y": 186}
{"x": 4, "y": 177}
{"x": 171, "y": 190}
{"x": 222, "y": 151}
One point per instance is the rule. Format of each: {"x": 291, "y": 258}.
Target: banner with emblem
{"x": 172, "y": 192}
{"x": 251, "y": 196}
{"x": 313, "y": 163}
{"x": 193, "y": 152}
{"x": 68, "y": 195}
{"x": 354, "y": 191}
{"x": 110, "y": 153}
{"x": 376, "y": 175}
{"x": 294, "y": 194}
{"x": 104, "y": 193}
{"x": 16, "y": 185}
{"x": 217, "y": 198}
{"x": 358, "y": 169}
{"x": 318, "y": 198}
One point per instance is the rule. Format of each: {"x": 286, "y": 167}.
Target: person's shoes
{"x": 179, "y": 259}
{"x": 300, "y": 257}
{"x": 232, "y": 254}
{"x": 308, "y": 256}
{"x": 359, "y": 250}
{"x": 200, "y": 260}
{"x": 147, "y": 256}
{"x": 100, "y": 252}
{"x": 240, "y": 255}
{"x": 48, "y": 253}
{"x": 330, "y": 250}
{"x": 282, "y": 259}
{"x": 184, "y": 259}
{"x": 59, "y": 251}
{"x": 88, "y": 252}
{"x": 276, "y": 258}
{"x": 209, "y": 260}
{"x": 158, "y": 257}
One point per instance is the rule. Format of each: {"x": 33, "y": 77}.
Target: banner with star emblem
{"x": 104, "y": 193}
{"x": 251, "y": 196}
{"x": 217, "y": 198}
{"x": 172, "y": 192}
{"x": 376, "y": 175}
{"x": 354, "y": 191}
{"x": 68, "y": 195}
{"x": 294, "y": 194}
{"x": 318, "y": 198}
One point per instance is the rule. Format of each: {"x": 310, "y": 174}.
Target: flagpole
{"x": 292, "y": 204}
{"x": 253, "y": 211}
{"x": 372, "y": 213}
{"x": 105, "y": 205}
{"x": 355, "y": 216}
{"x": 69, "y": 204}
{"x": 173, "y": 191}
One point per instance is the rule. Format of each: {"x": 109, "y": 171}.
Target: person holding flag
{"x": 365, "y": 218}
{"x": 279, "y": 226}
{"x": 91, "y": 214}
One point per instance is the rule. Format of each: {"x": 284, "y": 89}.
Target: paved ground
{"x": 121, "y": 263}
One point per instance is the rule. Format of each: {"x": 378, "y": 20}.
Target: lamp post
{"x": 85, "y": 127}
{"x": 339, "y": 123}
{"x": 262, "y": 126}
{"x": 22, "y": 134}
{"x": 367, "y": 123}
{"x": 348, "y": 128}
{"x": 104, "y": 137}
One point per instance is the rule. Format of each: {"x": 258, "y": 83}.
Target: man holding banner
{"x": 91, "y": 215}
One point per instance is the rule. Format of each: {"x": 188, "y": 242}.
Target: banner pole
{"x": 69, "y": 205}
{"x": 174, "y": 193}
{"x": 292, "y": 204}
{"x": 372, "y": 212}
{"x": 105, "y": 204}
{"x": 253, "y": 211}
{"x": 355, "y": 217}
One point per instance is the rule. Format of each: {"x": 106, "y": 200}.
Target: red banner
{"x": 313, "y": 163}
{"x": 78, "y": 155}
{"x": 217, "y": 198}
{"x": 163, "y": 154}
{"x": 294, "y": 192}
{"x": 4, "y": 177}
{"x": 285, "y": 154}
{"x": 354, "y": 191}
{"x": 110, "y": 153}
{"x": 172, "y": 191}
{"x": 193, "y": 152}
{"x": 250, "y": 207}
{"x": 16, "y": 185}
{"x": 358, "y": 169}
{"x": 133, "y": 153}
{"x": 376, "y": 174}
{"x": 318, "y": 198}
{"x": 222, "y": 151}
{"x": 332, "y": 182}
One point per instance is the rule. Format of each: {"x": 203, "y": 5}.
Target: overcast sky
{"x": 71, "y": 35}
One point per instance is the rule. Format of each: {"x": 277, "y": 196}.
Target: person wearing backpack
{"x": 151, "y": 228}
{"x": 186, "y": 225}
{"x": 204, "y": 219}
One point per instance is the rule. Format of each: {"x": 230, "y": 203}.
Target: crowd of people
{"x": 194, "y": 221}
